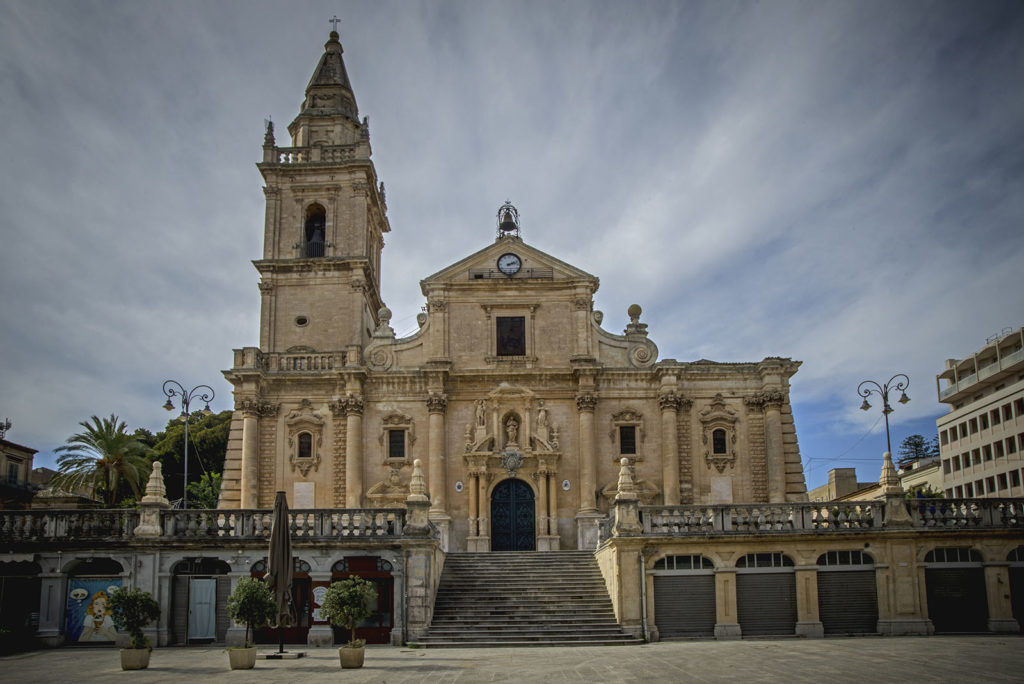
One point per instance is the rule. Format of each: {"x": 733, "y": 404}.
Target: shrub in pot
{"x": 346, "y": 604}
{"x": 252, "y": 604}
{"x": 132, "y": 610}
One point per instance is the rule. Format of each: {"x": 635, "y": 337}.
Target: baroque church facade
{"x": 516, "y": 400}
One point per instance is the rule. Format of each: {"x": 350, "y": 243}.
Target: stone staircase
{"x": 526, "y": 598}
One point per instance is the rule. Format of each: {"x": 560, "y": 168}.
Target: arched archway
{"x": 513, "y": 516}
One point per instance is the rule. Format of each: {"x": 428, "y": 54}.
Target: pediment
{"x": 481, "y": 266}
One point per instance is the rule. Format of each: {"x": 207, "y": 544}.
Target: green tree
{"x": 205, "y": 493}
{"x": 208, "y": 445}
{"x": 102, "y": 460}
{"x": 916, "y": 447}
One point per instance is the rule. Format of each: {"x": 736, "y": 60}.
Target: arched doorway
{"x": 89, "y": 618}
{"x": 513, "y": 517}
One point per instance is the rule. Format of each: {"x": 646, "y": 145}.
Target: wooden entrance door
{"x": 513, "y": 521}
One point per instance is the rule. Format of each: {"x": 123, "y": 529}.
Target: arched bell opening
{"x": 315, "y": 232}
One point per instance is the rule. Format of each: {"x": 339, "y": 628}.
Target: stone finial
{"x": 626, "y": 486}
{"x": 156, "y": 492}
{"x": 384, "y": 329}
{"x": 268, "y": 135}
{"x": 635, "y": 327}
{"x": 634, "y": 312}
{"x": 417, "y": 487}
{"x": 889, "y": 480}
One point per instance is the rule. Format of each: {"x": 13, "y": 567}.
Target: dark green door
{"x": 513, "y": 526}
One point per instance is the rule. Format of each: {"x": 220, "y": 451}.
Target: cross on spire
{"x": 334, "y": 21}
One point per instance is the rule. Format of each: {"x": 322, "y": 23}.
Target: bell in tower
{"x": 508, "y": 220}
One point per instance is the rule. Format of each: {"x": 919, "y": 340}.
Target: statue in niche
{"x": 542, "y": 422}
{"x": 512, "y": 431}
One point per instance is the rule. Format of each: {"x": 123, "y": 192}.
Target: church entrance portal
{"x": 513, "y": 522}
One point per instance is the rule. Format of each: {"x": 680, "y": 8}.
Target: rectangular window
{"x": 1007, "y": 412}
{"x": 511, "y": 335}
{"x": 627, "y": 439}
{"x": 12, "y": 472}
{"x": 949, "y": 493}
{"x": 945, "y": 437}
{"x": 1018, "y": 407}
{"x": 956, "y": 462}
{"x": 1015, "y": 478}
{"x": 959, "y": 491}
{"x": 972, "y": 424}
{"x": 976, "y": 456}
{"x": 946, "y": 467}
{"x": 987, "y": 451}
{"x": 969, "y": 490}
{"x": 990, "y": 484}
{"x": 963, "y": 430}
{"x": 1001, "y": 481}
{"x": 396, "y": 444}
{"x": 979, "y": 487}
{"x": 1011, "y": 445}
{"x": 999, "y": 449}
{"x": 983, "y": 419}
{"x": 994, "y": 415}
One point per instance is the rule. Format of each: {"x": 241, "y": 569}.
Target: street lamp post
{"x": 203, "y": 393}
{"x": 896, "y": 384}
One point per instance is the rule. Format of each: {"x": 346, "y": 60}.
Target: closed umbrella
{"x": 280, "y": 567}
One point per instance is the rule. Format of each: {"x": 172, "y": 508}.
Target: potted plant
{"x": 132, "y": 610}
{"x": 250, "y": 603}
{"x": 346, "y": 604}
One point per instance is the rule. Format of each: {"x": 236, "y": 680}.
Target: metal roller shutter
{"x": 179, "y": 609}
{"x": 766, "y": 603}
{"x": 684, "y": 605}
{"x": 956, "y": 599}
{"x": 223, "y": 621}
{"x": 848, "y": 602}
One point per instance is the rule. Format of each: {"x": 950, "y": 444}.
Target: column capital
{"x": 669, "y": 401}
{"x": 257, "y": 408}
{"x": 437, "y": 402}
{"x": 763, "y": 401}
{"x": 586, "y": 401}
{"x": 351, "y": 405}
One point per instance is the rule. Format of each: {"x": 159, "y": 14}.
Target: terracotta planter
{"x": 242, "y": 658}
{"x": 351, "y": 657}
{"x": 134, "y": 658}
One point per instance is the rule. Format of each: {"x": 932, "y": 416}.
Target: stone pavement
{"x": 892, "y": 659}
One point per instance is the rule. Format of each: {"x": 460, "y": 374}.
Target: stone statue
{"x": 480, "y": 408}
{"x": 512, "y": 430}
{"x": 542, "y": 422}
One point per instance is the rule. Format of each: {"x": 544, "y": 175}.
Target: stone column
{"x": 727, "y": 625}
{"x": 353, "y": 451}
{"x": 669, "y": 404}
{"x": 997, "y": 588}
{"x": 541, "y": 478}
{"x": 808, "y": 622}
{"x": 250, "y": 456}
{"x": 437, "y": 480}
{"x": 474, "y": 487}
{"x": 553, "y": 504}
{"x": 482, "y": 522}
{"x": 586, "y": 402}
{"x": 775, "y": 455}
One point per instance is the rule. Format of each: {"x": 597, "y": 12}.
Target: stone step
{"x": 426, "y": 642}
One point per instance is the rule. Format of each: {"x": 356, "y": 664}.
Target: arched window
{"x": 315, "y": 232}
{"x": 765, "y": 560}
{"x": 305, "y": 445}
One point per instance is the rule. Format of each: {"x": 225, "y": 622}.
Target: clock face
{"x": 509, "y": 264}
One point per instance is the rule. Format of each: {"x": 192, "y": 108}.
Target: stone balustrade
{"x": 198, "y": 524}
{"x": 289, "y": 363}
{"x": 828, "y": 516}
{"x": 306, "y": 155}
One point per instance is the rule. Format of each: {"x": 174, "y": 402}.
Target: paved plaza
{"x": 918, "y": 659}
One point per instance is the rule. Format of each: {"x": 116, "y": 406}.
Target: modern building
{"x": 512, "y": 393}
{"x": 982, "y": 437}
{"x": 923, "y": 475}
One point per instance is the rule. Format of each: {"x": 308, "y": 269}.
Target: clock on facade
{"x": 509, "y": 264}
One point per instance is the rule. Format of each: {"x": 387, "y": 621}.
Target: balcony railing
{"x": 761, "y": 518}
{"x": 829, "y": 517}
{"x": 244, "y": 525}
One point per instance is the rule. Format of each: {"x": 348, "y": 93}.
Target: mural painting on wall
{"x": 89, "y": 615}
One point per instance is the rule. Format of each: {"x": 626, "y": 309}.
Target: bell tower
{"x": 324, "y": 223}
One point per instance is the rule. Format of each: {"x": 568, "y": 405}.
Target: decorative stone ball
{"x": 384, "y": 314}
{"x": 634, "y": 311}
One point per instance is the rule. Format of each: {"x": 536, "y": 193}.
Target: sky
{"x": 841, "y": 183}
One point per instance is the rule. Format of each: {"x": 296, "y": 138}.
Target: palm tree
{"x": 100, "y": 458}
